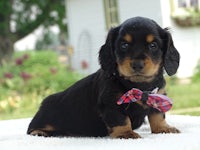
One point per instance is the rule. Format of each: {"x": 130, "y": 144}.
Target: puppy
{"x": 134, "y": 55}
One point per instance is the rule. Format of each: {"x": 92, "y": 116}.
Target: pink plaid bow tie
{"x": 157, "y": 101}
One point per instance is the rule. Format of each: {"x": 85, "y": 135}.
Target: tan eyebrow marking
{"x": 149, "y": 38}
{"x": 128, "y": 38}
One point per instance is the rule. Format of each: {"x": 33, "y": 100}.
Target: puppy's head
{"x": 138, "y": 50}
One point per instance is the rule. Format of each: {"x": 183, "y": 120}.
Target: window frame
{"x": 111, "y": 13}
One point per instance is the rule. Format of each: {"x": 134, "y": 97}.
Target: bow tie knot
{"x": 152, "y": 99}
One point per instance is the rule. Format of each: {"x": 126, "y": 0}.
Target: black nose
{"x": 138, "y": 65}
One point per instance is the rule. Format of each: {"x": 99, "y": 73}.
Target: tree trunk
{"x": 6, "y": 49}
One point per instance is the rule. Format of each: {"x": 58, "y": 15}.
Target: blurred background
{"x": 45, "y": 46}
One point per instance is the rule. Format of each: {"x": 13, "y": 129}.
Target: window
{"x": 186, "y": 12}
{"x": 111, "y": 13}
{"x": 188, "y": 4}
{"x": 194, "y": 3}
{"x": 182, "y": 4}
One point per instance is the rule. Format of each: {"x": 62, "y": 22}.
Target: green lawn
{"x": 185, "y": 97}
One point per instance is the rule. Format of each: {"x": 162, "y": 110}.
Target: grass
{"x": 22, "y": 105}
{"x": 186, "y": 98}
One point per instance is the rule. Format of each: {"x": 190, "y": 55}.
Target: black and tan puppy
{"x": 135, "y": 54}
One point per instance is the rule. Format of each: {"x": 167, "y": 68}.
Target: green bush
{"x": 28, "y": 78}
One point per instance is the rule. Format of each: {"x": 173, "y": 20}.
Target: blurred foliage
{"x": 18, "y": 18}
{"x": 29, "y": 78}
{"x": 196, "y": 76}
{"x": 29, "y": 14}
{"x": 48, "y": 40}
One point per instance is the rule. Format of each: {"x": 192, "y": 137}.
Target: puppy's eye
{"x": 153, "y": 46}
{"x": 124, "y": 46}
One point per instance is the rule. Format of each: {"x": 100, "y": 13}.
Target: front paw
{"x": 38, "y": 133}
{"x": 129, "y": 135}
{"x": 167, "y": 129}
{"x": 123, "y": 132}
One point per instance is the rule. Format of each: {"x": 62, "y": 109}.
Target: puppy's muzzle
{"x": 138, "y": 65}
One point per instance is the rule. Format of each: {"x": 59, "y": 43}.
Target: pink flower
{"x": 19, "y": 61}
{"x": 25, "y": 56}
{"x": 53, "y": 70}
{"x": 84, "y": 64}
{"x": 8, "y": 75}
{"x": 25, "y": 76}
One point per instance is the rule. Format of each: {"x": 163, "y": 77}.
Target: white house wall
{"x": 86, "y": 31}
{"x": 186, "y": 40}
{"x": 145, "y": 8}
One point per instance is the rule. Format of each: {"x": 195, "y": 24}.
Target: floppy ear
{"x": 171, "y": 55}
{"x": 107, "y": 58}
